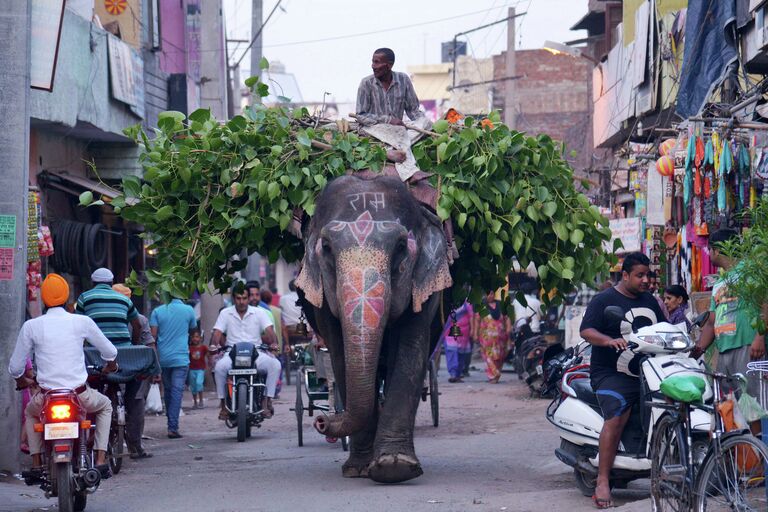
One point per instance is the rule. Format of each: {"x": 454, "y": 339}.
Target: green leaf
{"x": 497, "y": 247}
{"x": 251, "y": 81}
{"x": 577, "y": 236}
{"x": 440, "y": 126}
{"x": 200, "y": 115}
{"x": 462, "y": 219}
{"x": 273, "y": 190}
{"x": 549, "y": 208}
{"x": 561, "y": 231}
{"x": 263, "y": 63}
{"x": 171, "y": 114}
{"x": 164, "y": 213}
{"x": 567, "y": 274}
{"x": 303, "y": 139}
{"x": 86, "y": 198}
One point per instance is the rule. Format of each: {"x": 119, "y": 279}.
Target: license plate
{"x": 539, "y": 369}
{"x": 62, "y": 431}
{"x": 247, "y": 371}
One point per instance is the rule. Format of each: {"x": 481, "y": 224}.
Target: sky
{"x": 327, "y": 44}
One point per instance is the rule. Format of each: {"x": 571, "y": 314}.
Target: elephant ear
{"x": 310, "y": 278}
{"x": 431, "y": 273}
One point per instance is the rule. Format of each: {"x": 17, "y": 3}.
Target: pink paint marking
{"x": 363, "y": 297}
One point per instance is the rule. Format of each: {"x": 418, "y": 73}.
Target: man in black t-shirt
{"x": 617, "y": 391}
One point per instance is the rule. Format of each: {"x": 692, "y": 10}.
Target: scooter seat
{"x": 583, "y": 389}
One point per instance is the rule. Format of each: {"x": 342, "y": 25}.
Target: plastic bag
{"x": 684, "y": 388}
{"x": 750, "y": 408}
{"x": 154, "y": 404}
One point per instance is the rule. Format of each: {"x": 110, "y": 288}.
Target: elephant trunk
{"x": 364, "y": 294}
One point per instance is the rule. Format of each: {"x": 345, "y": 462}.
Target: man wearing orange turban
{"x": 56, "y": 340}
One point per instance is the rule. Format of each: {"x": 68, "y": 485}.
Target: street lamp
{"x": 563, "y": 49}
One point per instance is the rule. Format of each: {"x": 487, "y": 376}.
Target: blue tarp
{"x": 710, "y": 51}
{"x": 133, "y": 361}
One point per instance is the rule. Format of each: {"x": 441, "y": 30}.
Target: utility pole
{"x": 15, "y": 30}
{"x": 509, "y": 97}
{"x": 256, "y": 51}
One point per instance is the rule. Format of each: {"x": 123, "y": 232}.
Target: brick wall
{"x": 552, "y": 97}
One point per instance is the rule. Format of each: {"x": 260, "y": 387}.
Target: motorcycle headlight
{"x": 668, "y": 340}
{"x": 243, "y": 361}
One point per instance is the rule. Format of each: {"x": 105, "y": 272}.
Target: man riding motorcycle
{"x": 56, "y": 340}
{"x": 243, "y": 322}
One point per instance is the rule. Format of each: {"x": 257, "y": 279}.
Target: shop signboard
{"x": 628, "y": 231}
{"x": 47, "y": 17}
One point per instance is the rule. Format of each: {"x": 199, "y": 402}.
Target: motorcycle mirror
{"x": 701, "y": 319}
{"x": 614, "y": 313}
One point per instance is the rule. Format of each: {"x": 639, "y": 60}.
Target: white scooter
{"x": 576, "y": 412}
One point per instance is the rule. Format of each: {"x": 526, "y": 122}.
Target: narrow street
{"x": 493, "y": 451}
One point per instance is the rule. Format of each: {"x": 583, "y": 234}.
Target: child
{"x": 197, "y": 366}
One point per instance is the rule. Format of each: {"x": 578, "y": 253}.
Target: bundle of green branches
{"x": 212, "y": 191}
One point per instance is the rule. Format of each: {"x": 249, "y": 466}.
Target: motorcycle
{"x": 576, "y": 414}
{"x": 68, "y": 456}
{"x": 245, "y": 389}
{"x": 555, "y": 367}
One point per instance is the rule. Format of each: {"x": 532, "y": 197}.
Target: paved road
{"x": 493, "y": 451}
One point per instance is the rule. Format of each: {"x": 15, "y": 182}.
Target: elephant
{"x": 374, "y": 267}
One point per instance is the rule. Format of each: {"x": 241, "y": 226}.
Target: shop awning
{"x": 70, "y": 183}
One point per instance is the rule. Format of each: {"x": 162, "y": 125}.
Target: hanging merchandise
{"x": 743, "y": 176}
{"x": 665, "y": 165}
{"x": 726, "y": 165}
{"x": 690, "y": 159}
{"x": 33, "y": 217}
{"x": 666, "y": 147}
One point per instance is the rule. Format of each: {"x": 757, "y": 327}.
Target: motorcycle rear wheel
{"x": 64, "y": 486}
{"x": 242, "y": 411}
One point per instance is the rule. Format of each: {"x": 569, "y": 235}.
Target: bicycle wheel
{"x": 116, "y": 447}
{"x": 734, "y": 478}
{"x": 299, "y": 408}
{"x": 670, "y": 489}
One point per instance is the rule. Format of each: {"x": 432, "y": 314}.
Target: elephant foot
{"x": 394, "y": 468}
{"x": 355, "y": 467}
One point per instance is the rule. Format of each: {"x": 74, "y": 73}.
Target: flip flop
{"x": 602, "y": 503}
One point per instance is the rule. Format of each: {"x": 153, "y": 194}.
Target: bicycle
{"x": 724, "y": 472}
{"x": 114, "y": 392}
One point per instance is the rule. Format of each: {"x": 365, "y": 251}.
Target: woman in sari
{"x": 458, "y": 348}
{"x": 492, "y": 332}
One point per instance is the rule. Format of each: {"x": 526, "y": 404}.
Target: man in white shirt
{"x": 56, "y": 340}
{"x": 243, "y": 322}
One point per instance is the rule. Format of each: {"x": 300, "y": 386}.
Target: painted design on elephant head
{"x": 367, "y": 200}
{"x": 362, "y": 227}
{"x": 363, "y": 297}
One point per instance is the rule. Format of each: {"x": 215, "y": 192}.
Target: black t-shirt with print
{"x": 644, "y": 308}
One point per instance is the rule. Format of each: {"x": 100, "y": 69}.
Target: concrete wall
{"x": 551, "y": 97}
{"x": 213, "y": 64}
{"x": 172, "y": 30}
{"x": 81, "y": 87}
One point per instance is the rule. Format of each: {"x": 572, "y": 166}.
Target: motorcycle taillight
{"x": 61, "y": 411}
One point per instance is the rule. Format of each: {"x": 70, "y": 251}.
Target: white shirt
{"x": 533, "y": 311}
{"x": 56, "y": 340}
{"x": 291, "y": 312}
{"x": 249, "y": 328}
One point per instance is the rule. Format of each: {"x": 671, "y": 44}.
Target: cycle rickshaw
{"x": 316, "y": 394}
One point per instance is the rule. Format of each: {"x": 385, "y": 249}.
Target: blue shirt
{"x": 112, "y": 311}
{"x": 173, "y": 322}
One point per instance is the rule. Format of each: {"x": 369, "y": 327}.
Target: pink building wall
{"x": 172, "y": 30}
